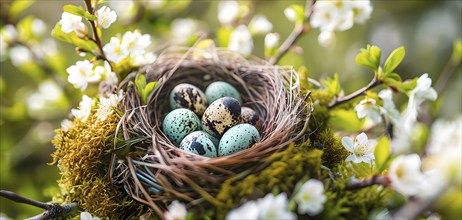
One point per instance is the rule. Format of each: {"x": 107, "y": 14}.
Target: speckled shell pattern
{"x": 221, "y": 115}
{"x": 238, "y": 138}
{"x": 188, "y": 96}
{"x": 199, "y": 143}
{"x": 179, "y": 123}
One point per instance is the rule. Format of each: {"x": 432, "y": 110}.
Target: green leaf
{"x": 89, "y": 16}
{"x": 369, "y": 57}
{"x": 332, "y": 85}
{"x": 382, "y": 153}
{"x": 73, "y": 39}
{"x": 457, "y": 52}
{"x": 75, "y": 10}
{"x": 394, "y": 60}
{"x": 144, "y": 90}
{"x": 299, "y": 13}
{"x": 394, "y": 76}
{"x": 223, "y": 35}
{"x": 345, "y": 120}
{"x": 18, "y": 6}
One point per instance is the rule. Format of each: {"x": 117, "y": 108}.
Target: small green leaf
{"x": 382, "y": 153}
{"x": 72, "y": 38}
{"x": 394, "y": 60}
{"x": 394, "y": 76}
{"x": 223, "y": 34}
{"x": 144, "y": 90}
{"x": 75, "y": 10}
{"x": 457, "y": 52}
{"x": 369, "y": 57}
{"x": 89, "y": 16}
{"x": 17, "y": 7}
{"x": 299, "y": 13}
{"x": 332, "y": 85}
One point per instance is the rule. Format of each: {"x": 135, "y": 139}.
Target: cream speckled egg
{"x": 179, "y": 123}
{"x": 238, "y": 138}
{"x": 199, "y": 143}
{"x": 220, "y": 89}
{"x": 249, "y": 116}
{"x": 188, "y": 96}
{"x": 221, "y": 115}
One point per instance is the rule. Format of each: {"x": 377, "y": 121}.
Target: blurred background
{"x": 35, "y": 95}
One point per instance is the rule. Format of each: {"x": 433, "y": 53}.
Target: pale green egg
{"x": 220, "y": 89}
{"x": 179, "y": 123}
{"x": 199, "y": 143}
{"x": 238, "y": 138}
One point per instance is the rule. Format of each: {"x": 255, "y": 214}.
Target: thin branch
{"x": 95, "y": 31}
{"x": 448, "y": 71}
{"x": 51, "y": 210}
{"x": 375, "y": 180}
{"x": 337, "y": 101}
{"x": 298, "y": 30}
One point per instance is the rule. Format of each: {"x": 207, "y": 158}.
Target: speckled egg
{"x": 221, "y": 115}
{"x": 248, "y": 116}
{"x": 188, "y": 96}
{"x": 221, "y": 89}
{"x": 199, "y": 143}
{"x": 238, "y": 138}
{"x": 214, "y": 140}
{"x": 179, "y": 123}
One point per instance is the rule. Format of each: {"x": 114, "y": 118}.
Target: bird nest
{"x": 156, "y": 172}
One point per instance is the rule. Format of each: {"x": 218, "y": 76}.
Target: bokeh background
{"x": 35, "y": 96}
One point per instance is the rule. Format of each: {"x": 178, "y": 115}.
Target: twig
{"x": 298, "y": 30}
{"x": 448, "y": 71}
{"x": 337, "y": 101}
{"x": 375, "y": 180}
{"x": 96, "y": 39}
{"x": 51, "y": 210}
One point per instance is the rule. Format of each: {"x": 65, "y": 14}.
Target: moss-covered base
{"x": 83, "y": 156}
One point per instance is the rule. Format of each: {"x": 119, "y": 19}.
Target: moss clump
{"x": 284, "y": 171}
{"x": 83, "y": 156}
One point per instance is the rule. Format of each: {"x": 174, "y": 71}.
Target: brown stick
{"x": 51, "y": 210}
{"x": 337, "y": 101}
{"x": 375, "y": 180}
{"x": 298, "y": 30}
{"x": 96, "y": 39}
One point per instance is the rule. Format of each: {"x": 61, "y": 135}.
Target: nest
{"x": 155, "y": 172}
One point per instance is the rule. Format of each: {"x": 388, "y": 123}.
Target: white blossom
{"x": 272, "y": 40}
{"x": 368, "y": 108}
{"x": 84, "y": 109}
{"x": 9, "y": 33}
{"x": 81, "y": 74}
{"x": 290, "y": 14}
{"x": 228, "y": 11}
{"x": 362, "y": 149}
{"x": 43, "y": 103}
{"x": 182, "y": 29}
{"x": 269, "y": 207}
{"x": 247, "y": 211}
{"x": 66, "y": 124}
{"x": 135, "y": 43}
{"x": 362, "y": 10}
{"x": 38, "y": 27}
{"x": 326, "y": 38}
{"x": 311, "y": 198}
{"x": 72, "y": 23}
{"x": 144, "y": 59}
{"x": 114, "y": 52}
{"x": 87, "y": 216}
{"x": 389, "y": 108}
{"x": 445, "y": 135}
{"x": 105, "y": 16}
{"x": 176, "y": 211}
{"x": 20, "y": 55}
{"x": 107, "y": 105}
{"x": 260, "y": 25}
{"x": 241, "y": 40}
{"x": 405, "y": 174}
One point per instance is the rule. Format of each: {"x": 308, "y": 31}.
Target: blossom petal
{"x": 348, "y": 143}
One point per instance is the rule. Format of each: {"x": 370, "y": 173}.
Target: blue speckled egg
{"x": 214, "y": 140}
{"x": 199, "y": 143}
{"x": 188, "y": 96}
{"x": 221, "y": 89}
{"x": 248, "y": 116}
{"x": 221, "y": 115}
{"x": 238, "y": 138}
{"x": 179, "y": 123}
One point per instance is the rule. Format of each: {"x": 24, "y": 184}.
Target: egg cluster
{"x": 221, "y": 128}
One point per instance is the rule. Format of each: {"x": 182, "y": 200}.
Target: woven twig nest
{"x": 156, "y": 172}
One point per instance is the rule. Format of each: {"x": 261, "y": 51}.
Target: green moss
{"x": 83, "y": 156}
{"x": 284, "y": 171}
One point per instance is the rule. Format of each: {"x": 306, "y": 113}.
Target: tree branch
{"x": 51, "y": 210}
{"x": 337, "y": 101}
{"x": 298, "y": 30}
{"x": 95, "y": 31}
{"x": 375, "y": 180}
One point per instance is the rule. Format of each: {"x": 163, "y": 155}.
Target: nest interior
{"x": 155, "y": 172}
